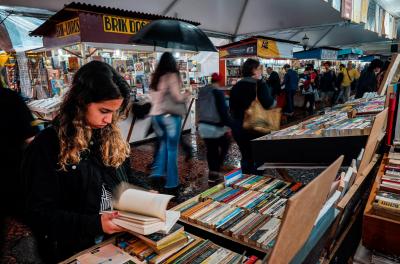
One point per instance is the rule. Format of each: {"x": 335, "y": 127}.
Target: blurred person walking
{"x": 214, "y": 123}
{"x": 168, "y": 107}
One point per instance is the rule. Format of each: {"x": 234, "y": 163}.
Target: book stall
{"x": 246, "y": 219}
{"x": 80, "y": 33}
{"x": 260, "y": 213}
{"x": 271, "y": 52}
{"x": 317, "y": 56}
{"x": 343, "y": 129}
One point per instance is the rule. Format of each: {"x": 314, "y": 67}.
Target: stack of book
{"x": 350, "y": 127}
{"x": 129, "y": 249}
{"x": 336, "y": 121}
{"x": 387, "y": 199}
{"x": 374, "y": 105}
{"x": 194, "y": 250}
{"x": 45, "y": 105}
{"x": 248, "y": 208}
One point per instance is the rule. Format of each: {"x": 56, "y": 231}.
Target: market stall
{"x": 316, "y": 56}
{"x": 80, "y": 33}
{"x": 271, "y": 52}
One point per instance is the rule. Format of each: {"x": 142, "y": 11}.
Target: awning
{"x": 15, "y": 28}
{"x": 248, "y": 18}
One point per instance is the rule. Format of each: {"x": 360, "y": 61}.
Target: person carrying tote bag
{"x": 250, "y": 88}
{"x": 261, "y": 120}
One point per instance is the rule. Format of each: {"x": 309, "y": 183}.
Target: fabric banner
{"x": 347, "y": 6}
{"x": 356, "y": 12}
{"x": 364, "y": 11}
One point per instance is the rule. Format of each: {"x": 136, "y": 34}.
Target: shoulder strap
{"x": 347, "y": 71}
{"x": 256, "y": 90}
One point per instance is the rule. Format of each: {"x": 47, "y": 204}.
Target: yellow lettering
{"x": 107, "y": 23}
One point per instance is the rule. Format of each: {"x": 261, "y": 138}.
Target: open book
{"x": 144, "y": 212}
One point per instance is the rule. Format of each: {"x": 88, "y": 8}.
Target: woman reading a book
{"x": 73, "y": 166}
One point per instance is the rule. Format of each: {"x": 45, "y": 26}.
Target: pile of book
{"x": 336, "y": 121}
{"x": 350, "y": 127}
{"x": 45, "y": 105}
{"x": 387, "y": 199}
{"x": 248, "y": 208}
{"x": 177, "y": 247}
{"x": 194, "y": 250}
{"x": 373, "y": 105}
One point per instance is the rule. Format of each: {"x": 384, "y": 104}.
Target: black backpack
{"x": 206, "y": 106}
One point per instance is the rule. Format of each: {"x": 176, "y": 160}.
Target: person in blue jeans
{"x": 165, "y": 87}
{"x": 168, "y": 129}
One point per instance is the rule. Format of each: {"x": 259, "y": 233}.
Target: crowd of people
{"x": 326, "y": 86}
{"x": 67, "y": 173}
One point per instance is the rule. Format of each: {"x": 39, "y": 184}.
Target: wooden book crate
{"x": 379, "y": 232}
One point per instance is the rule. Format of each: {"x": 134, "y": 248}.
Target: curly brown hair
{"x": 94, "y": 82}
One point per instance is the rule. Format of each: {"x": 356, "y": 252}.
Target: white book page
{"x": 144, "y": 203}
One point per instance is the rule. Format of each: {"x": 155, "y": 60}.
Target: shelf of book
{"x": 381, "y": 231}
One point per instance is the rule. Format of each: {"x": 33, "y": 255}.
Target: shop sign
{"x": 68, "y": 28}
{"x": 123, "y": 25}
{"x": 329, "y": 54}
{"x": 267, "y": 48}
{"x": 249, "y": 49}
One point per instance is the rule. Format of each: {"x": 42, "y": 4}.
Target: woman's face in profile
{"x": 100, "y": 114}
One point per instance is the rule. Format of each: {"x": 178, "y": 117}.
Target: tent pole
{"x": 169, "y": 7}
{"x": 241, "y": 17}
{"x": 323, "y": 36}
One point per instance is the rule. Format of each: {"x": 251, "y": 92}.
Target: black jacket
{"x": 366, "y": 83}
{"x": 63, "y": 206}
{"x": 275, "y": 82}
{"x": 328, "y": 81}
{"x": 244, "y": 93}
{"x": 16, "y": 119}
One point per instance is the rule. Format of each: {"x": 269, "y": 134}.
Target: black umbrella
{"x": 173, "y": 34}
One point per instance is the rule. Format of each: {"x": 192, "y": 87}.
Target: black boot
{"x": 173, "y": 191}
{"x": 157, "y": 183}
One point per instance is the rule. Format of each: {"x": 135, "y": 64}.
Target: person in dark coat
{"x": 242, "y": 95}
{"x": 291, "y": 84}
{"x": 15, "y": 135}
{"x": 72, "y": 167}
{"x": 368, "y": 78}
{"x": 327, "y": 84}
{"x": 274, "y": 82}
